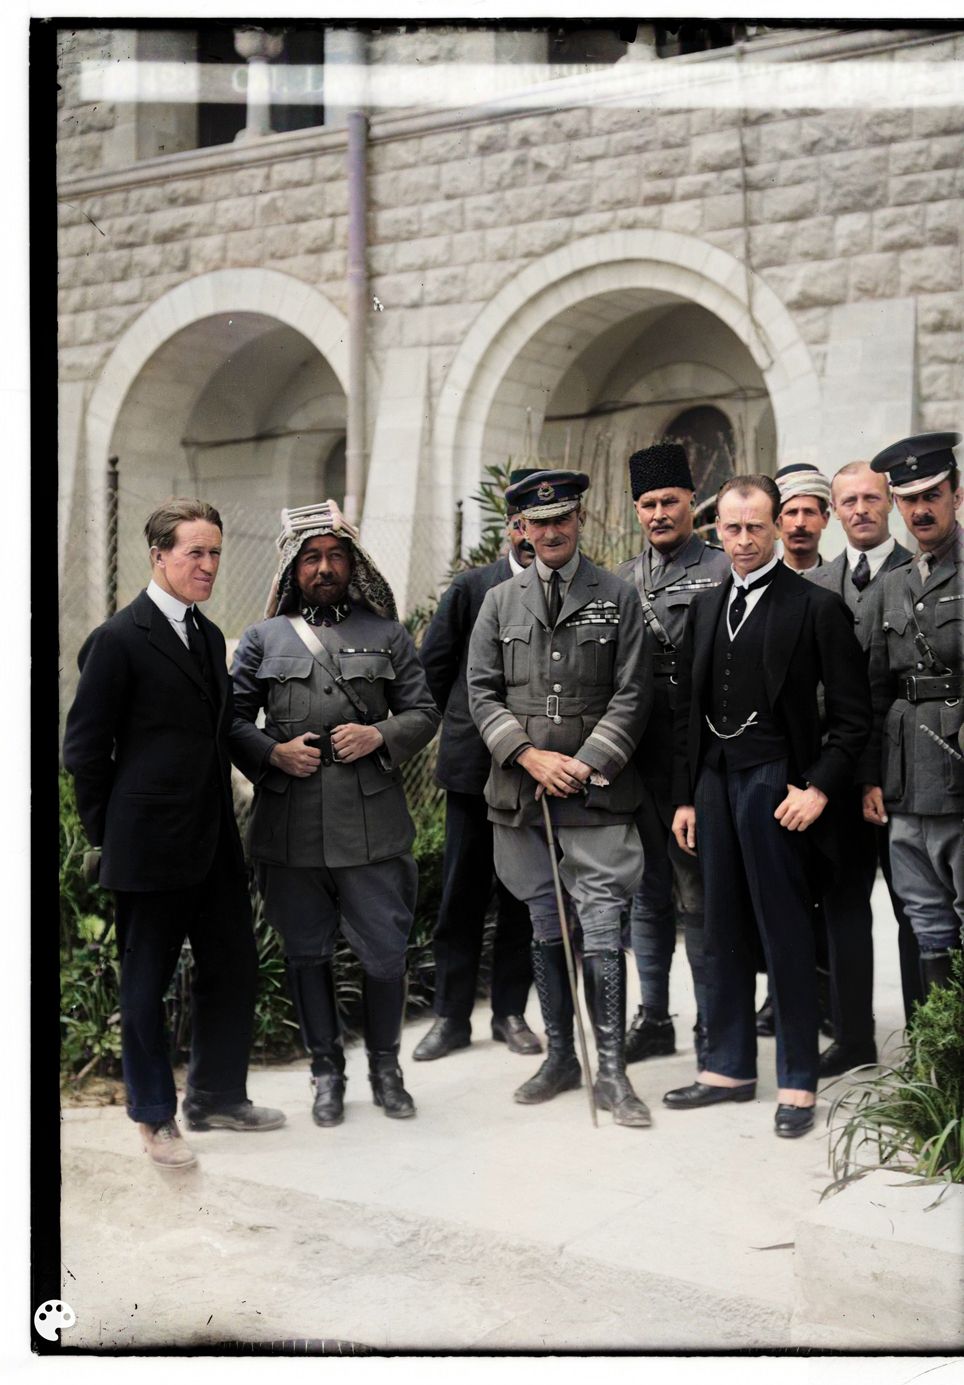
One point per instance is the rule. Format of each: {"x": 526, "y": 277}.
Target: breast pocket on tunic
{"x": 595, "y": 653}
{"x": 287, "y": 678}
{"x": 515, "y": 653}
{"x": 368, "y": 671}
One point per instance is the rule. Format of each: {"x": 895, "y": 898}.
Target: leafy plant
{"x": 909, "y": 1116}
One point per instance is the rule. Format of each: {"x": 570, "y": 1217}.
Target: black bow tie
{"x": 738, "y": 606}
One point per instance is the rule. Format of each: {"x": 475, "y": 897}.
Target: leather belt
{"x": 551, "y": 706}
{"x": 328, "y": 756}
{"x": 665, "y": 664}
{"x": 931, "y": 688}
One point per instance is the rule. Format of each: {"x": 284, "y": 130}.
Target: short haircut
{"x": 161, "y": 528}
{"x": 851, "y": 469}
{"x": 743, "y": 485}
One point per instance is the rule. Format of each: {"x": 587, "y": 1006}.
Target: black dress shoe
{"x": 703, "y": 1094}
{"x": 240, "y": 1115}
{"x": 513, "y": 1031}
{"x": 792, "y": 1121}
{"x": 650, "y": 1036}
{"x": 444, "y": 1036}
{"x": 766, "y": 1025}
{"x": 840, "y": 1058}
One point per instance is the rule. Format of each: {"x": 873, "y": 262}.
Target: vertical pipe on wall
{"x": 355, "y": 448}
{"x": 111, "y": 537}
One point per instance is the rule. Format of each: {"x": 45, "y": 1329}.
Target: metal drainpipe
{"x": 355, "y": 458}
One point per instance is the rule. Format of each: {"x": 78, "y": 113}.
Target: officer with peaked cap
{"x": 916, "y": 665}
{"x": 667, "y": 575}
{"x": 560, "y": 692}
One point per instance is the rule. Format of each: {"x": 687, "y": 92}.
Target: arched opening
{"x": 244, "y": 411}
{"x": 619, "y": 371}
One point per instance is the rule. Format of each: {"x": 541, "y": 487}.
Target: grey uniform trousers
{"x": 927, "y": 862}
{"x": 374, "y": 905}
{"x": 601, "y": 868}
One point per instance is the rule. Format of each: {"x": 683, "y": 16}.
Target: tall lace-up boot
{"x": 606, "y": 982}
{"x": 560, "y": 1071}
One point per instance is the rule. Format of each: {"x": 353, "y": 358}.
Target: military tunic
{"x": 922, "y": 783}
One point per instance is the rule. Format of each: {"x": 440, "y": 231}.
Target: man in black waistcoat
{"x": 147, "y": 744}
{"x": 467, "y": 870}
{"x": 751, "y": 776}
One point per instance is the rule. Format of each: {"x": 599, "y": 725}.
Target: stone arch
{"x": 585, "y": 280}
{"x": 265, "y": 293}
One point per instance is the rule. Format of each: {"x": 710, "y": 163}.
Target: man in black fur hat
{"x": 675, "y": 565}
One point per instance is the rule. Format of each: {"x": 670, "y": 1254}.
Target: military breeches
{"x": 601, "y": 868}
{"x": 672, "y": 886}
{"x": 927, "y": 861}
{"x": 373, "y": 904}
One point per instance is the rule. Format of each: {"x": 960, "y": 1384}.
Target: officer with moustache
{"x": 560, "y": 692}
{"x": 671, "y": 570}
{"x": 911, "y": 779}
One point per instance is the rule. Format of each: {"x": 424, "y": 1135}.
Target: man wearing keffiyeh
{"x": 345, "y": 703}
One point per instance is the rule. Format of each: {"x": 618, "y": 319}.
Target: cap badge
{"x": 545, "y": 491}
{"x": 912, "y": 463}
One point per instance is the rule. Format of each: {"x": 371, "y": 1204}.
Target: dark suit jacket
{"x": 149, "y": 754}
{"x": 463, "y": 761}
{"x": 808, "y": 638}
{"x": 831, "y": 576}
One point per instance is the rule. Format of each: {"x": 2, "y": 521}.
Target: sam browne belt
{"x": 930, "y": 689}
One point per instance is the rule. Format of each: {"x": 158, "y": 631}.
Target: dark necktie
{"x": 555, "y": 599}
{"x": 738, "y": 608}
{"x": 861, "y": 573}
{"x": 195, "y": 641}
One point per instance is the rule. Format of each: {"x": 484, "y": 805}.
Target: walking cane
{"x": 570, "y": 965}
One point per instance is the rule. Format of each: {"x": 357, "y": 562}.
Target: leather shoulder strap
{"x": 649, "y": 615}
{"x": 321, "y": 656}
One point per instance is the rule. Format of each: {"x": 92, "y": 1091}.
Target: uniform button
{"x": 325, "y": 761}
{"x": 281, "y": 677}
{"x": 886, "y": 624}
{"x": 856, "y": 620}
{"x": 556, "y": 654}
{"x": 327, "y": 687}
{"x": 557, "y": 687}
{"x": 920, "y": 666}
{"x": 726, "y": 687}
{"x": 920, "y": 606}
{"x": 505, "y": 639}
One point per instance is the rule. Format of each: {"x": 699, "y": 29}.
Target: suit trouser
{"x": 755, "y": 875}
{"x": 670, "y": 877}
{"x": 373, "y": 905}
{"x": 601, "y": 868}
{"x": 151, "y": 926}
{"x": 467, "y": 870}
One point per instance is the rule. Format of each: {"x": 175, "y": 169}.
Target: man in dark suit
{"x": 862, "y": 502}
{"x": 467, "y": 868}
{"x": 146, "y": 743}
{"x": 751, "y": 776}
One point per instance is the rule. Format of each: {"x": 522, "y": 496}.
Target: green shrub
{"x": 909, "y": 1116}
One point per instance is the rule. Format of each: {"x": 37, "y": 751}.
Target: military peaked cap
{"x": 915, "y": 464}
{"x": 546, "y": 494}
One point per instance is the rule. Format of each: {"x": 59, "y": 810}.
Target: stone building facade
{"x": 561, "y": 281}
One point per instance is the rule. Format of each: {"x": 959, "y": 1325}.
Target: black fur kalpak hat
{"x": 660, "y": 466}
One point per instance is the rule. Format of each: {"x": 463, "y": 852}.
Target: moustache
{"x": 526, "y": 547}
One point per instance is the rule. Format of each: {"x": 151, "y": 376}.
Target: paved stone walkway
{"x": 480, "y": 1223}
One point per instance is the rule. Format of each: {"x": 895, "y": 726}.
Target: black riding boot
{"x": 606, "y": 981}
{"x": 383, "y": 1008}
{"x": 561, "y": 1071}
{"x": 313, "y": 990}
{"x": 936, "y": 971}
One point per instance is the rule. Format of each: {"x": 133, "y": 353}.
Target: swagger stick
{"x": 570, "y": 965}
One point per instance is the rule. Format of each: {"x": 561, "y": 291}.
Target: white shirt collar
{"x": 165, "y": 602}
{"x": 566, "y": 573}
{"x": 876, "y": 557}
{"x": 739, "y": 581}
{"x": 514, "y": 564}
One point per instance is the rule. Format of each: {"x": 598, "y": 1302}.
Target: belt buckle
{"x": 552, "y": 708}
{"x": 911, "y": 685}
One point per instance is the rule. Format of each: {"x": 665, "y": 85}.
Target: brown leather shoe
{"x": 513, "y": 1031}
{"x": 166, "y": 1145}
